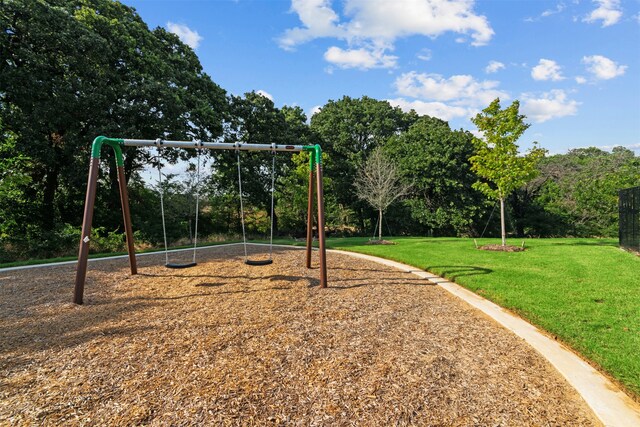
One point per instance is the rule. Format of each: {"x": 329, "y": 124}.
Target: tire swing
{"x": 164, "y": 228}
{"x": 269, "y": 260}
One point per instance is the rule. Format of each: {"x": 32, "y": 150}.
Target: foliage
{"x": 75, "y": 69}
{"x": 497, "y": 160}
{"x": 14, "y": 178}
{"x": 378, "y": 183}
{"x": 436, "y": 160}
{"x": 99, "y": 64}
{"x": 255, "y": 120}
{"x": 580, "y": 190}
{"x": 349, "y": 130}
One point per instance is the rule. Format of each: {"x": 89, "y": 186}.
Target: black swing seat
{"x": 187, "y": 265}
{"x": 258, "y": 262}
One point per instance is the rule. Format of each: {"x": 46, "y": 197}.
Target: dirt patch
{"x": 500, "y": 248}
{"x": 380, "y": 242}
{"x": 229, "y": 344}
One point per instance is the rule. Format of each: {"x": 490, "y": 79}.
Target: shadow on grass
{"x": 452, "y": 272}
{"x": 612, "y": 243}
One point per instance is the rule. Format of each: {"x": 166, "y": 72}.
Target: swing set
{"x": 315, "y": 173}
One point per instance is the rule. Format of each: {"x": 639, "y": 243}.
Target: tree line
{"x": 74, "y": 69}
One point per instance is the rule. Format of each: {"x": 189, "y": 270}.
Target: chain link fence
{"x": 629, "y": 208}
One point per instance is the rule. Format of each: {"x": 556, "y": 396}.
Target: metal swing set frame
{"x": 315, "y": 186}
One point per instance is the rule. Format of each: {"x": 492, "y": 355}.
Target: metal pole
{"x": 310, "y": 211}
{"x": 321, "y": 242}
{"x": 213, "y": 145}
{"x": 83, "y": 255}
{"x": 195, "y": 237}
{"x": 126, "y": 214}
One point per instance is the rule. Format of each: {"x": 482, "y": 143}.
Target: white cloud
{"x": 546, "y": 70}
{"x": 359, "y": 58}
{"x": 319, "y": 20}
{"x": 445, "y": 98}
{"x": 425, "y": 54}
{"x": 376, "y": 25}
{"x": 602, "y": 67}
{"x": 559, "y": 8}
{"x": 461, "y": 89}
{"x": 433, "y": 109}
{"x": 548, "y": 12}
{"x": 188, "y": 36}
{"x": 493, "y": 67}
{"x": 393, "y": 19}
{"x": 550, "y": 105}
{"x": 580, "y": 80}
{"x": 265, "y": 94}
{"x": 608, "y": 11}
{"x": 314, "y": 110}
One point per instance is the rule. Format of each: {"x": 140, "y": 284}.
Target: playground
{"x": 233, "y": 344}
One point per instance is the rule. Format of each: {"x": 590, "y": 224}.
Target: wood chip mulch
{"x": 224, "y": 343}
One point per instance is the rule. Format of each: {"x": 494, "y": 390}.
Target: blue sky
{"x": 574, "y": 65}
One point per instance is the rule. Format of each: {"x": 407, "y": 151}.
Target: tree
{"x": 436, "y": 160}
{"x": 254, "y": 119}
{"x": 378, "y": 183}
{"x": 497, "y": 160}
{"x": 75, "y": 69}
{"x": 349, "y": 130}
{"x": 581, "y": 189}
{"x": 13, "y": 179}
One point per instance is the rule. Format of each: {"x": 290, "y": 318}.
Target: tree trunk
{"x": 363, "y": 227}
{"x": 49, "y": 195}
{"x": 503, "y": 229}
{"x": 275, "y": 223}
{"x": 380, "y": 224}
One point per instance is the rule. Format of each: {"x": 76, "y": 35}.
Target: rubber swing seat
{"x": 259, "y": 262}
{"x": 190, "y": 264}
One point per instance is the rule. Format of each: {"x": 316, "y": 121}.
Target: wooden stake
{"x": 124, "y": 201}
{"x": 83, "y": 255}
{"x": 321, "y": 243}
{"x": 310, "y": 218}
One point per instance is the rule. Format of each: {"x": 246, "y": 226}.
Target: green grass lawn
{"x": 584, "y": 291}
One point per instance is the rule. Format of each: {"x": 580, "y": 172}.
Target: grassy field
{"x": 584, "y": 291}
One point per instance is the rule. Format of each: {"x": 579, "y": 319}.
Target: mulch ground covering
{"x": 224, "y": 343}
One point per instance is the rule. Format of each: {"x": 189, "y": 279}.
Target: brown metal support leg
{"x": 321, "y": 244}
{"x": 124, "y": 201}
{"x": 310, "y": 219}
{"x": 83, "y": 253}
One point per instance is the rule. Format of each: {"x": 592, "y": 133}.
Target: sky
{"x": 574, "y": 65}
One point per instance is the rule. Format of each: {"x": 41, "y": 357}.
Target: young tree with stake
{"x": 497, "y": 160}
{"x": 378, "y": 183}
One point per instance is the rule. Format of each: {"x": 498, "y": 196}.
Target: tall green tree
{"x": 14, "y": 178}
{"x": 350, "y": 129}
{"x": 254, "y": 119}
{"x": 581, "y": 188}
{"x": 436, "y": 160}
{"x": 497, "y": 160}
{"x": 75, "y": 69}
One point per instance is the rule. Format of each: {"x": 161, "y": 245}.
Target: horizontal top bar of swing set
{"x": 215, "y": 145}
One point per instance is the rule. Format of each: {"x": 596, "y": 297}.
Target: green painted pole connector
{"x": 318, "y": 152}
{"x": 115, "y": 143}
{"x": 315, "y": 154}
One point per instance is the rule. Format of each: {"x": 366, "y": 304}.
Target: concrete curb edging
{"x": 610, "y": 404}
